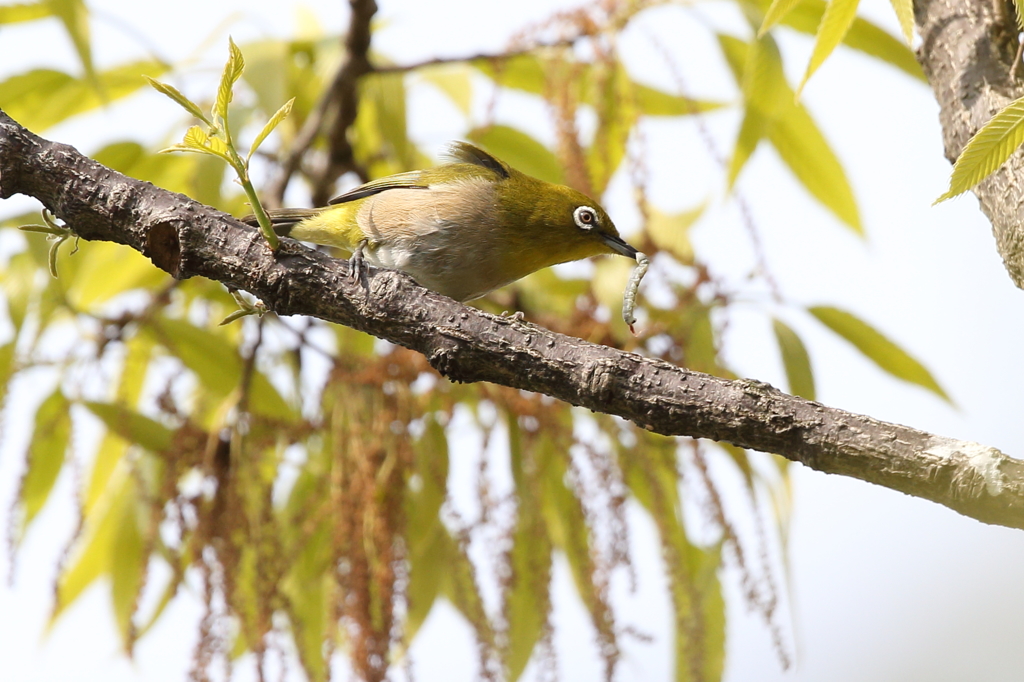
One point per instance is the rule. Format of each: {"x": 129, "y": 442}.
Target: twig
{"x": 1016, "y": 59}
{"x": 480, "y": 57}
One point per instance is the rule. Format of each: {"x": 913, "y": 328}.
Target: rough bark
{"x": 967, "y": 53}
{"x": 188, "y": 239}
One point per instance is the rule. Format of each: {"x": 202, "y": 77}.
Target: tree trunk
{"x": 967, "y": 52}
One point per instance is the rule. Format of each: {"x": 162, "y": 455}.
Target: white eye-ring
{"x": 585, "y": 217}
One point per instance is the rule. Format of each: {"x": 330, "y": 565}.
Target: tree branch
{"x": 967, "y": 54}
{"x": 345, "y": 94}
{"x": 342, "y": 96}
{"x": 188, "y": 239}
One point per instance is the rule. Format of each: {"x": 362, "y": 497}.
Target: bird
{"x": 463, "y": 228}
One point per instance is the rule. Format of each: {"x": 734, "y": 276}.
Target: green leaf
{"x": 526, "y": 597}
{"x": 454, "y": 81}
{"x": 121, "y": 156}
{"x": 609, "y": 280}
{"x": 735, "y": 52}
{"x": 75, "y": 17}
{"x": 862, "y": 36}
{"x": 527, "y": 72}
{"x": 128, "y": 560}
{"x": 458, "y": 583}
{"x": 795, "y": 360}
{"x": 169, "y": 592}
{"x": 569, "y": 531}
{"x": 757, "y": 67}
{"x": 776, "y": 13}
{"x": 877, "y": 348}
{"x": 653, "y": 102}
{"x": 17, "y": 283}
{"x": 196, "y": 140}
{"x": 650, "y": 472}
{"x": 274, "y": 121}
{"x": 807, "y": 153}
{"x": 109, "y": 454}
{"x": 42, "y": 98}
{"x": 764, "y": 83}
{"x": 671, "y": 231}
{"x": 385, "y": 102}
{"x": 791, "y": 130}
{"x": 612, "y": 95}
{"x": 987, "y": 150}
{"x": 185, "y": 103}
{"x": 45, "y": 456}
{"x": 697, "y": 593}
{"x": 431, "y": 470}
{"x": 1018, "y": 10}
{"x": 216, "y": 363}
{"x": 905, "y": 14}
{"x": 350, "y": 342}
{"x": 427, "y": 565}
{"x": 430, "y": 545}
{"x": 520, "y": 150}
{"x": 133, "y": 427}
{"x": 13, "y": 14}
{"x": 545, "y": 290}
{"x": 91, "y": 555}
{"x": 6, "y": 368}
{"x": 112, "y": 448}
{"x": 232, "y": 72}
{"x": 311, "y": 590}
{"x": 214, "y": 360}
{"x": 752, "y": 131}
{"x": 92, "y": 285}
{"x": 836, "y": 21}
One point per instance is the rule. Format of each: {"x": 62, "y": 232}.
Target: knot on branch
{"x": 598, "y": 375}
{"x": 164, "y": 248}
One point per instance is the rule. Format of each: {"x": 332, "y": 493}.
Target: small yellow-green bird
{"x": 464, "y": 228}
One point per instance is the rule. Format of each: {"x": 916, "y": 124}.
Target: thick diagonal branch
{"x": 188, "y": 239}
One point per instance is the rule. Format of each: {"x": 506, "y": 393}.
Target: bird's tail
{"x": 283, "y": 219}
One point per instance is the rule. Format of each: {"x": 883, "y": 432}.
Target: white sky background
{"x": 884, "y": 586}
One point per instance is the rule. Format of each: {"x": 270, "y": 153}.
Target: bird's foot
{"x": 357, "y": 264}
{"x": 517, "y": 316}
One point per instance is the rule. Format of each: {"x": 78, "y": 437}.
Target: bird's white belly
{"x": 429, "y": 235}
{"x": 435, "y": 261}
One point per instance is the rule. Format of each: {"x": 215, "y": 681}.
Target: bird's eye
{"x": 585, "y": 217}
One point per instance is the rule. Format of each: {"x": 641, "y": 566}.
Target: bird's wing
{"x": 409, "y": 180}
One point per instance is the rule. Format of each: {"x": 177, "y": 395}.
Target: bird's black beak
{"x": 619, "y": 245}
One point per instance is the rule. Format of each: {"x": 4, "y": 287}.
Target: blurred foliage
{"x": 298, "y": 472}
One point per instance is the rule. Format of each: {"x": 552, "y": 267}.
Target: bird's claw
{"x": 517, "y": 316}
{"x": 357, "y": 264}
